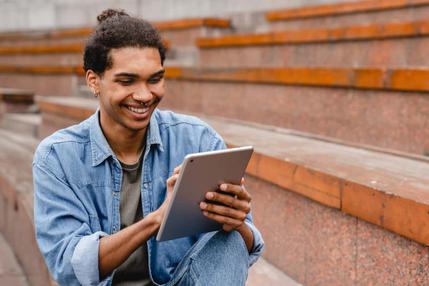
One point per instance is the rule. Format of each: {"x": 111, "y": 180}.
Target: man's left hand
{"x": 230, "y": 208}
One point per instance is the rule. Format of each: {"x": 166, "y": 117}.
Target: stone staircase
{"x": 334, "y": 99}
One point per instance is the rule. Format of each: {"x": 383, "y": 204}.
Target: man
{"x": 102, "y": 186}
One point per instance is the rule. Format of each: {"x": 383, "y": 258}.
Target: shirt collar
{"x": 100, "y": 148}
{"x": 153, "y": 135}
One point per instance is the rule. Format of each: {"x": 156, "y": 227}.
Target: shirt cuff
{"x": 85, "y": 259}
{"x": 258, "y": 244}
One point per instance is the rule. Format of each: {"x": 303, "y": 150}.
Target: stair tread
{"x": 10, "y": 271}
{"x": 25, "y": 118}
{"x": 397, "y": 174}
{"x": 264, "y": 273}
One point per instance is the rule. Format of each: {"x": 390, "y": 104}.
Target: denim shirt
{"x": 77, "y": 180}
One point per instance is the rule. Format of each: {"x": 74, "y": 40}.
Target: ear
{"x": 93, "y": 82}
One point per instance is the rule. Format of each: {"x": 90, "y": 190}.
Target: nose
{"x": 142, "y": 94}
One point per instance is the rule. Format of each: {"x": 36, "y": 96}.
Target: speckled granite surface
{"x": 318, "y": 245}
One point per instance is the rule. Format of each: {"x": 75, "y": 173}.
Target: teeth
{"x": 138, "y": 110}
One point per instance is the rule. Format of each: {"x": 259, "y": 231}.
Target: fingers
{"x": 224, "y": 211}
{"x": 177, "y": 169}
{"x": 229, "y": 222}
{"x": 234, "y": 205}
{"x": 229, "y": 201}
{"x": 172, "y": 181}
{"x": 237, "y": 190}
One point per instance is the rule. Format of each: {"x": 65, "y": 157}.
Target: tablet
{"x": 200, "y": 173}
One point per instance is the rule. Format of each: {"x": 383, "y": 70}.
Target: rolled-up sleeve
{"x": 258, "y": 242}
{"x": 63, "y": 231}
{"x": 85, "y": 259}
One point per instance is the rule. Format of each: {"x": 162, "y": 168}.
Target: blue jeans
{"x": 217, "y": 258}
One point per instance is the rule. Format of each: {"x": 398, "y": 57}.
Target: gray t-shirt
{"x": 134, "y": 271}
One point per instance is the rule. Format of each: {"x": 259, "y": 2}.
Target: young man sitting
{"x": 102, "y": 186}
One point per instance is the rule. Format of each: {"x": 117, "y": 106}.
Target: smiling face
{"x": 130, "y": 90}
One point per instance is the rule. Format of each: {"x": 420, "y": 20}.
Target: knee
{"x": 224, "y": 259}
{"x": 223, "y": 245}
{"x": 233, "y": 246}
{"x": 235, "y": 239}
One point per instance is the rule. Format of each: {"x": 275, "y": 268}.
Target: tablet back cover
{"x": 202, "y": 172}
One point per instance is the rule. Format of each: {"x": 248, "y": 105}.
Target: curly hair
{"x": 116, "y": 29}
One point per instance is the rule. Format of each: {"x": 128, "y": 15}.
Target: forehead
{"x": 136, "y": 60}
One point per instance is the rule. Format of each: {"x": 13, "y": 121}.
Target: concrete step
{"x": 71, "y": 54}
{"x": 307, "y": 100}
{"x": 46, "y": 80}
{"x": 65, "y": 47}
{"x": 11, "y": 273}
{"x": 16, "y": 205}
{"x": 393, "y": 44}
{"x": 180, "y": 31}
{"x": 27, "y": 124}
{"x": 84, "y": 91}
{"x": 371, "y": 106}
{"x": 17, "y": 100}
{"x": 350, "y": 13}
{"x": 263, "y": 273}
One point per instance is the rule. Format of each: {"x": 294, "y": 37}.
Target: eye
{"x": 155, "y": 79}
{"x": 128, "y": 81}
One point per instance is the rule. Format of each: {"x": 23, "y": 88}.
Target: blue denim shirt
{"x": 77, "y": 180}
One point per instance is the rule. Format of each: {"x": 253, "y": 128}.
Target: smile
{"x": 138, "y": 110}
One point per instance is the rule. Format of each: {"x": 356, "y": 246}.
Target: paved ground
{"x": 10, "y": 271}
{"x": 263, "y": 273}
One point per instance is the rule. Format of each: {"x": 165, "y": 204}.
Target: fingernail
{"x": 203, "y": 205}
{"x": 209, "y": 195}
{"x": 205, "y": 213}
{"x": 223, "y": 187}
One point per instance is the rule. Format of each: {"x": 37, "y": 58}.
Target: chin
{"x": 137, "y": 127}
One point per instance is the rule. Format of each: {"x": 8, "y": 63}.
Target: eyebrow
{"x": 133, "y": 75}
{"x": 158, "y": 73}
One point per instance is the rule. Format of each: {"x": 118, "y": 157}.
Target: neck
{"x": 125, "y": 143}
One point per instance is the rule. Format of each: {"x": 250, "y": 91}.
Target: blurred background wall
{"x": 45, "y": 14}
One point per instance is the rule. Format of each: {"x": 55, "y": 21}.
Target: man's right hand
{"x": 116, "y": 248}
{"x": 170, "y": 186}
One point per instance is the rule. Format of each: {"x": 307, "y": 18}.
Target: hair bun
{"x": 110, "y": 13}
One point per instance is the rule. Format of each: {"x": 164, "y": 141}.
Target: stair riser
{"x": 317, "y": 245}
{"x": 55, "y": 85}
{"x": 16, "y": 107}
{"x": 373, "y": 53}
{"x": 386, "y": 16}
{"x": 395, "y": 120}
{"x": 42, "y": 59}
{"x": 20, "y": 127}
{"x": 41, "y": 41}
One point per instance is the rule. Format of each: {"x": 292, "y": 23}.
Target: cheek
{"x": 158, "y": 89}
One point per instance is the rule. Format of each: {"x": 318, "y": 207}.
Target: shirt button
{"x": 145, "y": 185}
